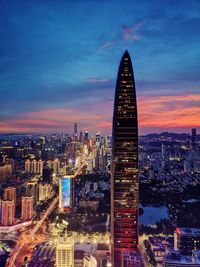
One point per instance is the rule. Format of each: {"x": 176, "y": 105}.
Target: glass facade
{"x": 124, "y": 213}
{"x": 66, "y": 192}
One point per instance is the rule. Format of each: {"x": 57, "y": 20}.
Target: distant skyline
{"x": 59, "y": 61}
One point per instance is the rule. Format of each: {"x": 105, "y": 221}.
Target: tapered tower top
{"x": 124, "y": 179}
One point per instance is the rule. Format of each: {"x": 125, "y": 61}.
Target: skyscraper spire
{"x": 124, "y": 191}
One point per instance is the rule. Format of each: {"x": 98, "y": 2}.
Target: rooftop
{"x": 176, "y": 258}
{"x": 188, "y": 231}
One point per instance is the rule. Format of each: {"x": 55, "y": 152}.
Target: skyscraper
{"x": 76, "y": 132}
{"x": 65, "y": 252}
{"x": 124, "y": 192}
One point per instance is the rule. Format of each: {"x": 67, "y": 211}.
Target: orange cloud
{"x": 156, "y": 113}
{"x": 169, "y": 111}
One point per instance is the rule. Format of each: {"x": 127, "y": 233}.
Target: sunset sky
{"x": 59, "y": 63}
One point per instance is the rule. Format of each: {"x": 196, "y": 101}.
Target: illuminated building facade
{"x": 7, "y": 211}
{"x": 5, "y": 171}
{"x": 66, "y": 192}
{"x": 27, "y": 208}
{"x": 65, "y": 252}
{"x": 33, "y": 166}
{"x": 89, "y": 261}
{"x": 10, "y": 194}
{"x": 44, "y": 191}
{"x": 124, "y": 191}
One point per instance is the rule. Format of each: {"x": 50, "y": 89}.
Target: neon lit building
{"x": 65, "y": 252}
{"x": 124, "y": 191}
{"x": 65, "y": 192}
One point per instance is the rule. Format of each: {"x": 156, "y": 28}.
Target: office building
{"x": 124, "y": 187}
{"x": 66, "y": 192}
{"x": 65, "y": 252}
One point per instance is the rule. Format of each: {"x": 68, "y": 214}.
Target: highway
{"x": 46, "y": 214}
{"x": 29, "y": 238}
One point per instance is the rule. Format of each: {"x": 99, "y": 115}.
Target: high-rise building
{"x": 10, "y": 194}
{"x": 75, "y": 132}
{"x": 44, "y": 191}
{"x": 54, "y": 165}
{"x": 81, "y": 137}
{"x": 86, "y": 137}
{"x": 163, "y": 151}
{"x": 33, "y": 166}
{"x": 65, "y": 252}
{"x": 27, "y": 208}
{"x": 7, "y": 211}
{"x": 32, "y": 190}
{"x": 47, "y": 174}
{"x": 66, "y": 192}
{"x": 5, "y": 170}
{"x": 124, "y": 187}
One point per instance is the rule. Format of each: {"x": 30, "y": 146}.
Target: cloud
{"x": 97, "y": 80}
{"x": 107, "y": 44}
{"x": 126, "y": 33}
{"x": 131, "y": 32}
{"x": 169, "y": 112}
{"x": 54, "y": 119}
{"x": 156, "y": 113}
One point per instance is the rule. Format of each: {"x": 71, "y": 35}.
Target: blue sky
{"x": 62, "y": 57}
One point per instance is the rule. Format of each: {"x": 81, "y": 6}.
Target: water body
{"x": 152, "y": 214}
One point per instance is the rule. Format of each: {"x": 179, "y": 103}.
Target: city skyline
{"x": 58, "y": 68}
